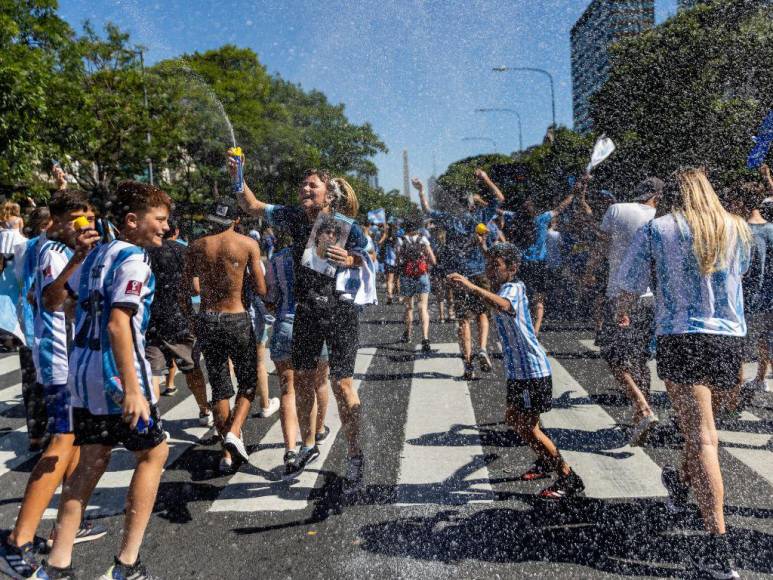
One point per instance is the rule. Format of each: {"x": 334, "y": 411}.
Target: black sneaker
{"x": 353, "y": 477}
{"x": 405, "y": 338}
{"x": 540, "y": 470}
{"x": 426, "y": 348}
{"x": 469, "y": 372}
{"x": 17, "y": 562}
{"x": 289, "y": 459}
{"x": 87, "y": 532}
{"x": 484, "y": 361}
{"x": 678, "y": 491}
{"x": 303, "y": 459}
{"x": 321, "y": 438}
{"x": 120, "y": 571}
{"x": 711, "y": 559}
{"x": 564, "y": 487}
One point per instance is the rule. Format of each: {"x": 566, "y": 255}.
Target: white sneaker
{"x": 226, "y": 465}
{"x": 273, "y": 407}
{"x": 206, "y": 419}
{"x": 235, "y": 446}
{"x": 642, "y": 430}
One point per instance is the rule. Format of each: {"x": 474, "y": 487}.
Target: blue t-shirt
{"x": 538, "y": 251}
{"x": 758, "y": 280}
{"x": 293, "y": 220}
{"x": 465, "y": 253}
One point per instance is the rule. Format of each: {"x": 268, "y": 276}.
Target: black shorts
{"x": 700, "y": 359}
{"x": 183, "y": 351}
{"x": 338, "y": 326}
{"x": 531, "y": 395}
{"x": 228, "y": 336}
{"x": 536, "y": 276}
{"x": 628, "y": 347}
{"x": 468, "y": 304}
{"x": 390, "y": 268}
{"x": 112, "y": 430}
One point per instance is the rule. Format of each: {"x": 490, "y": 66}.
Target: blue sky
{"x": 415, "y": 70}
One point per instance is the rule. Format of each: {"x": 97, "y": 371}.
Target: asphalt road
{"x": 441, "y": 497}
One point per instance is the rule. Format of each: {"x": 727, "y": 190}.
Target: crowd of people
{"x": 105, "y": 309}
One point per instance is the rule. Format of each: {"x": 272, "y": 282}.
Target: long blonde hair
{"x": 715, "y": 231}
{"x": 347, "y": 202}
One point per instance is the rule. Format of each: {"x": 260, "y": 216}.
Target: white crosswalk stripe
{"x": 258, "y": 486}
{"x": 442, "y": 460}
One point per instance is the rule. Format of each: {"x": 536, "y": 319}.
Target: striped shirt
{"x": 279, "y": 283}
{"x": 686, "y": 301}
{"x": 52, "y": 330}
{"x": 114, "y": 275}
{"x": 524, "y": 357}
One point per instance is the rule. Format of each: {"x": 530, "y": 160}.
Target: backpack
{"x": 414, "y": 261}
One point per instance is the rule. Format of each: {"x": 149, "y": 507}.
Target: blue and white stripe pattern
{"x": 49, "y": 347}
{"x": 524, "y": 357}
{"x": 26, "y": 260}
{"x": 687, "y": 301}
{"x": 279, "y": 282}
{"x": 115, "y": 275}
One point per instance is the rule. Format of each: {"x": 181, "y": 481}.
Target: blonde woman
{"x": 10, "y": 216}
{"x": 323, "y": 314}
{"x": 698, "y": 253}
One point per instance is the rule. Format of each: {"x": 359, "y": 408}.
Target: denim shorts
{"x": 58, "y": 409}
{"x": 281, "y": 344}
{"x": 413, "y": 286}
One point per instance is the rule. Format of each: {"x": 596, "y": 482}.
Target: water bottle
{"x": 237, "y": 184}
{"x": 117, "y": 395}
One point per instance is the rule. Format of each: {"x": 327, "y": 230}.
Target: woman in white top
{"x": 694, "y": 258}
{"x": 10, "y": 216}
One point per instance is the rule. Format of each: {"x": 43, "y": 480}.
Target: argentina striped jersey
{"x": 686, "y": 301}
{"x": 52, "y": 330}
{"x": 114, "y": 275}
{"x": 524, "y": 357}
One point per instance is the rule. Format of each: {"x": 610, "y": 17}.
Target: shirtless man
{"x": 221, "y": 261}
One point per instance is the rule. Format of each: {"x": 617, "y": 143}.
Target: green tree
{"x": 691, "y": 91}
{"x": 36, "y": 48}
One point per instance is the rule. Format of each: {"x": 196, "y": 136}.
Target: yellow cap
{"x": 235, "y": 152}
{"x": 481, "y": 229}
{"x": 81, "y": 223}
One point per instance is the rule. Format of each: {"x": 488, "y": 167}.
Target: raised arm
{"x": 579, "y": 188}
{"x": 246, "y": 199}
{"x": 56, "y": 293}
{"x": 767, "y": 180}
{"x": 416, "y": 182}
{"x": 495, "y": 191}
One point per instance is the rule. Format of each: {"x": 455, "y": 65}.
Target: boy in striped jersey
{"x": 113, "y": 398}
{"x": 52, "y": 331}
{"x": 529, "y": 383}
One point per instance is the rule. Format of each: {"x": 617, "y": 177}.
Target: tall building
{"x": 602, "y": 24}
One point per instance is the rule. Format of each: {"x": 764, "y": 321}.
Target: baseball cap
{"x": 224, "y": 211}
{"x": 648, "y": 188}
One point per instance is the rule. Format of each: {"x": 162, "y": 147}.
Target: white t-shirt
{"x": 413, "y": 239}
{"x": 621, "y": 222}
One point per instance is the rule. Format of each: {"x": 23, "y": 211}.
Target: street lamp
{"x": 537, "y": 70}
{"x": 517, "y": 116}
{"x": 493, "y": 143}
{"x": 145, "y": 97}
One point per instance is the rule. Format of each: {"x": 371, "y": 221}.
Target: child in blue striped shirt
{"x": 529, "y": 382}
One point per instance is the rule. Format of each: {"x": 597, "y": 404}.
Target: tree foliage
{"x": 690, "y": 91}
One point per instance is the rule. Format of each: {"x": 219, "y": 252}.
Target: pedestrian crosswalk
{"x": 443, "y": 460}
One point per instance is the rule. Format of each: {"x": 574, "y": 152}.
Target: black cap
{"x": 224, "y": 211}
{"x": 648, "y": 188}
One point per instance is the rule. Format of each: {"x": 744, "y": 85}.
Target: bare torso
{"x": 220, "y": 262}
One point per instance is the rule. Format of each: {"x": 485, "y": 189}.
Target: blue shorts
{"x": 58, "y": 409}
{"x": 413, "y": 286}
{"x": 281, "y": 345}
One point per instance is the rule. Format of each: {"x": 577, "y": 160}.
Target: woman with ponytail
{"x": 327, "y": 308}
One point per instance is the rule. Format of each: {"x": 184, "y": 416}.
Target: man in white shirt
{"x": 626, "y": 350}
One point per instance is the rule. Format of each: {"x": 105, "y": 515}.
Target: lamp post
{"x": 514, "y": 112}
{"x": 493, "y": 143}
{"x": 145, "y": 98}
{"x": 536, "y": 70}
